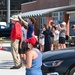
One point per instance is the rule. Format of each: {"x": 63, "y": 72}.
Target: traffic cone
{"x": 1, "y": 47}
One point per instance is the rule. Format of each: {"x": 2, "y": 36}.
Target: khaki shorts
{"x": 56, "y": 42}
{"x": 52, "y": 40}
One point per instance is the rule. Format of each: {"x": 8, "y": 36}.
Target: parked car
{"x": 5, "y": 30}
{"x": 59, "y": 62}
{"x": 3, "y": 23}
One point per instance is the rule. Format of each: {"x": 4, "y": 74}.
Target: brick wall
{"x": 43, "y": 4}
{"x": 30, "y": 6}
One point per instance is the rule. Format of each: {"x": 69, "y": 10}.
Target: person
{"x": 30, "y": 26}
{"x": 22, "y": 43}
{"x": 33, "y": 58}
{"x": 73, "y": 27}
{"x": 56, "y": 37}
{"x": 16, "y": 35}
{"x": 62, "y": 35}
{"x": 41, "y": 39}
{"x": 47, "y": 34}
{"x": 51, "y": 25}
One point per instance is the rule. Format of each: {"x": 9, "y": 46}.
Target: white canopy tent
{"x": 45, "y": 12}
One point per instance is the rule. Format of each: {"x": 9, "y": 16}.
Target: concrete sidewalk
{"x": 6, "y": 62}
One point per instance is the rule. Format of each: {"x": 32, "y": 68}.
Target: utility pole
{"x": 8, "y": 11}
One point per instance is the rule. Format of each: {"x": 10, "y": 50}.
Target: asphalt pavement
{"x": 6, "y": 61}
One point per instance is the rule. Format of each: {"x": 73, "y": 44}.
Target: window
{"x": 42, "y": 21}
{"x": 57, "y": 16}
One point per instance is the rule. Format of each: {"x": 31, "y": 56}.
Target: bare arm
{"x": 21, "y": 42}
{"x": 41, "y": 36}
{"x": 28, "y": 59}
{"x": 25, "y": 23}
{"x": 60, "y": 28}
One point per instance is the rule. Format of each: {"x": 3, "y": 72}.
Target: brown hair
{"x": 32, "y": 20}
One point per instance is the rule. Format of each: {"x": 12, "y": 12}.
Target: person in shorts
{"x": 22, "y": 43}
{"x": 51, "y": 25}
{"x": 62, "y": 35}
{"x": 56, "y": 37}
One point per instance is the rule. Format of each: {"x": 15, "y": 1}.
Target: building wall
{"x": 25, "y": 7}
{"x": 71, "y": 2}
{"x": 72, "y": 16}
{"x": 43, "y": 4}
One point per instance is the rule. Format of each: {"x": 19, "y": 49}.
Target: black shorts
{"x": 61, "y": 40}
{"x": 23, "y": 49}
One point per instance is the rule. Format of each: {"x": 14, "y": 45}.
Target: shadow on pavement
{"x": 7, "y": 49}
{"x": 6, "y": 64}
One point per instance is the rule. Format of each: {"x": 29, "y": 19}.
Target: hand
{"x": 20, "y": 17}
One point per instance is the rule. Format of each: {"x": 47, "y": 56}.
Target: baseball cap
{"x": 63, "y": 23}
{"x": 32, "y": 40}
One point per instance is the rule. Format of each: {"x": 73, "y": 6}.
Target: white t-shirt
{"x": 56, "y": 36}
{"x": 41, "y": 41}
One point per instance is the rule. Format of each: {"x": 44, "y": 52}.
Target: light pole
{"x": 8, "y": 11}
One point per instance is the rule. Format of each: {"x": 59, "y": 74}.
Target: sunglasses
{"x": 52, "y": 23}
{"x": 28, "y": 42}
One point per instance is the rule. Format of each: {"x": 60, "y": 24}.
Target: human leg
{"x": 15, "y": 54}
